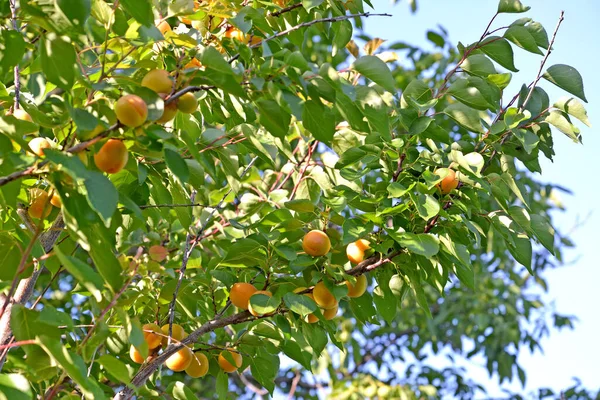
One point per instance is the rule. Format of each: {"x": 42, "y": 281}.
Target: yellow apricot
{"x": 136, "y": 356}
{"x": 38, "y": 144}
{"x": 198, "y": 367}
{"x": 240, "y": 294}
{"x": 316, "y": 243}
{"x": 363, "y": 244}
{"x": 131, "y": 110}
{"x": 112, "y": 157}
{"x": 194, "y": 63}
{"x": 254, "y": 312}
{"x": 169, "y": 111}
{"x": 164, "y": 27}
{"x": 449, "y": 182}
{"x": 323, "y": 297}
{"x": 331, "y": 313}
{"x": 226, "y": 365}
{"x": 236, "y": 34}
{"x": 354, "y": 254}
{"x": 152, "y": 338}
{"x": 178, "y": 333}
{"x": 180, "y": 360}
{"x": 39, "y": 206}
{"x": 158, "y": 80}
{"x": 55, "y": 200}
{"x": 187, "y": 103}
{"x": 359, "y": 288}
{"x": 158, "y": 253}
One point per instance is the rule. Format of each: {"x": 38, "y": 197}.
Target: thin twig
{"x": 400, "y": 168}
{"x": 17, "y": 71}
{"x": 284, "y": 10}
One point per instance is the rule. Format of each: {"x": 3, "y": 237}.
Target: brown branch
{"x": 284, "y": 10}
{"x": 400, "y": 168}
{"x": 17, "y": 344}
{"x": 17, "y": 72}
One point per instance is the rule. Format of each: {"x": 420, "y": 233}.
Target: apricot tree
{"x": 220, "y": 198}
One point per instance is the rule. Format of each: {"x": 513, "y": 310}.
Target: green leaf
{"x": 140, "y": 10}
{"x": 302, "y": 205}
{"x": 512, "y": 6}
{"x": 319, "y": 121}
{"x": 179, "y": 391}
{"x": 343, "y": 34}
{"x": 475, "y": 93}
{"x": 58, "y": 61}
{"x": 543, "y": 231}
{"x": 274, "y": 118}
{"x": 177, "y": 165}
{"x": 264, "y": 368}
{"x": 10, "y": 256}
{"x": 244, "y": 253}
{"x": 15, "y": 387}
{"x": 436, "y": 39}
{"x": 263, "y": 304}
{"x": 104, "y": 258}
{"x": 82, "y": 273}
{"x": 573, "y": 107}
{"x": 499, "y": 50}
{"x": 566, "y": 78}
{"x": 560, "y": 121}
{"x": 363, "y": 309}
{"x": 310, "y": 4}
{"x": 293, "y": 351}
{"x": 520, "y": 36}
{"x": 396, "y": 189}
{"x": 77, "y": 11}
{"x": 13, "y": 51}
{"x": 424, "y": 244}
{"x": 219, "y": 72}
{"x": 115, "y": 367}
{"x": 478, "y": 65}
{"x": 465, "y": 116}
{"x": 375, "y": 69}
{"x": 299, "y": 303}
{"x": 427, "y": 206}
{"x": 25, "y": 324}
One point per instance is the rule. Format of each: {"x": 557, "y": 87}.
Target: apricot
{"x": 158, "y": 80}
{"x": 359, "y": 288}
{"x": 331, "y": 313}
{"x": 323, "y": 297}
{"x": 316, "y": 243}
{"x": 164, "y": 27}
{"x": 255, "y": 40}
{"x": 240, "y": 294}
{"x": 254, "y": 312}
{"x": 131, "y": 110}
{"x": 177, "y": 333}
{"x": 153, "y": 338}
{"x": 112, "y": 157}
{"x": 236, "y": 34}
{"x": 449, "y": 182}
{"x": 193, "y": 64}
{"x": 169, "y": 111}
{"x": 136, "y": 356}
{"x": 226, "y": 365}
{"x": 39, "y": 207}
{"x": 38, "y": 144}
{"x": 180, "y": 360}
{"x": 158, "y": 253}
{"x": 55, "y": 200}
{"x": 198, "y": 367}
{"x": 187, "y": 103}
{"x": 21, "y": 114}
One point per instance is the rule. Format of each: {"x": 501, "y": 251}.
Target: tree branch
{"x": 17, "y": 73}
{"x": 284, "y": 10}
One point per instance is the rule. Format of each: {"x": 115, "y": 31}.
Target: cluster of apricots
{"x": 195, "y": 364}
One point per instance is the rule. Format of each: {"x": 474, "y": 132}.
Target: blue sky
{"x": 573, "y": 288}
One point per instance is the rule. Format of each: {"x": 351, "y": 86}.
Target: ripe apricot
{"x": 38, "y": 144}
{"x": 112, "y": 157}
{"x": 164, "y": 27}
{"x": 39, "y": 206}
{"x": 254, "y": 312}
{"x": 152, "y": 338}
{"x": 198, "y": 367}
{"x": 236, "y": 34}
{"x": 316, "y": 243}
{"x": 131, "y": 110}
{"x": 55, "y": 200}
{"x": 21, "y": 114}
{"x": 194, "y": 63}
{"x": 255, "y": 40}
{"x": 180, "y": 360}
{"x": 158, "y": 253}
{"x": 331, "y": 313}
{"x": 240, "y": 294}
{"x": 363, "y": 244}
{"x": 359, "y": 288}
{"x": 178, "y": 333}
{"x": 226, "y": 365}
{"x": 169, "y": 111}
{"x": 158, "y": 80}
{"x": 323, "y": 297}
{"x": 136, "y": 356}
{"x": 187, "y": 103}
{"x": 449, "y": 182}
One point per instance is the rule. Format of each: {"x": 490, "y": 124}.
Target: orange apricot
{"x": 55, "y": 200}
{"x": 187, "y": 103}
{"x": 254, "y": 312}
{"x": 177, "y": 333}
{"x": 152, "y": 338}
{"x": 354, "y": 254}
{"x": 131, "y": 110}
{"x": 39, "y": 207}
{"x": 180, "y": 360}
{"x": 363, "y": 244}
{"x": 236, "y": 34}
{"x": 158, "y": 80}
{"x": 169, "y": 111}
{"x": 193, "y": 64}
{"x": 21, "y": 114}
{"x": 112, "y": 157}
{"x": 316, "y": 243}
{"x": 198, "y": 367}
{"x": 331, "y": 313}
{"x": 136, "y": 356}
{"x": 228, "y": 366}
{"x": 240, "y": 294}
{"x": 359, "y": 288}
{"x": 158, "y": 253}
{"x": 164, "y": 27}
{"x": 449, "y": 182}
{"x": 38, "y": 144}
{"x": 323, "y": 297}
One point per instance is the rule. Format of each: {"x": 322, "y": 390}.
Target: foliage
{"x": 297, "y": 128}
